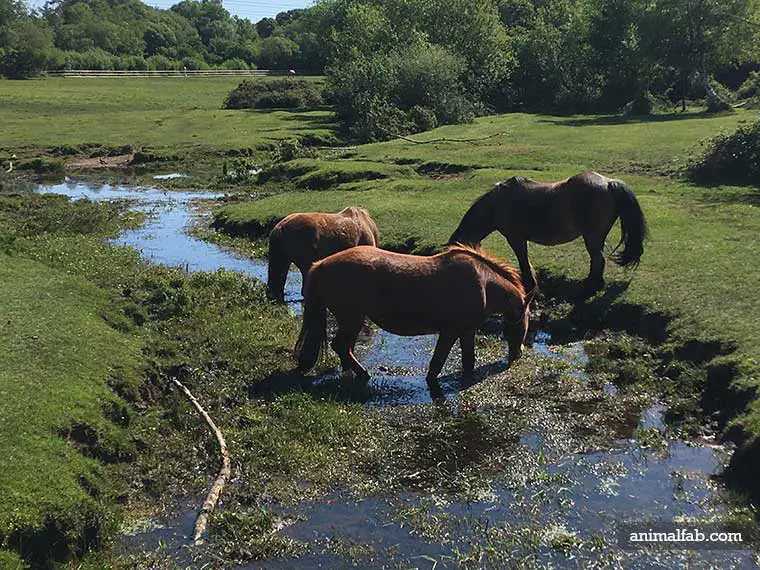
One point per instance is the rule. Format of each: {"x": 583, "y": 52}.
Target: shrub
{"x": 642, "y": 105}
{"x": 281, "y": 93}
{"x": 730, "y": 158}
{"x": 161, "y": 63}
{"x": 194, "y": 63}
{"x": 408, "y": 90}
{"x": 751, "y": 87}
{"x": 134, "y": 63}
{"x": 234, "y": 63}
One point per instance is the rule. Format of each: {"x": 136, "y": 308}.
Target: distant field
{"x": 179, "y": 114}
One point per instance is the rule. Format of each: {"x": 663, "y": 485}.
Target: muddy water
{"x": 576, "y": 497}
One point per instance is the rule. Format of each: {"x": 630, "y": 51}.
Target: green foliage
{"x": 750, "y": 89}
{"x": 732, "y": 158}
{"x": 34, "y": 215}
{"x": 278, "y": 53}
{"x": 281, "y": 93}
{"x": 29, "y": 50}
{"x": 405, "y": 91}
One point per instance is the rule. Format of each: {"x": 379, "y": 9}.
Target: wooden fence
{"x": 171, "y": 73}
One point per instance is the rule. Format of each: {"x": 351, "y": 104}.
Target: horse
{"x": 449, "y": 293}
{"x": 304, "y": 238}
{"x": 553, "y": 213}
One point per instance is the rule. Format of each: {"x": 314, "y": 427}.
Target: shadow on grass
{"x": 625, "y": 120}
{"x": 346, "y": 389}
{"x": 749, "y": 195}
{"x": 604, "y": 311}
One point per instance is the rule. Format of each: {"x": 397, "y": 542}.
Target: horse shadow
{"x": 342, "y": 388}
{"x": 604, "y": 311}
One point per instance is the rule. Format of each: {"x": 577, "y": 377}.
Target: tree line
{"x": 408, "y": 65}
{"x": 128, "y": 34}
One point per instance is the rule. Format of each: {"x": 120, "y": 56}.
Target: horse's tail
{"x": 313, "y": 335}
{"x": 277, "y": 271}
{"x": 633, "y": 226}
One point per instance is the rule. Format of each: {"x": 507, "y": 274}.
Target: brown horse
{"x": 308, "y": 237}
{"x": 450, "y": 293}
{"x": 558, "y": 212}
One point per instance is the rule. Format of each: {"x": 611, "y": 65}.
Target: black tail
{"x": 313, "y": 335}
{"x": 633, "y": 226}
{"x": 277, "y": 271}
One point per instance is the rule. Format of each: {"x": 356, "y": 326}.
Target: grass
{"x": 58, "y": 356}
{"x": 699, "y": 277}
{"x": 170, "y": 116}
{"x": 697, "y": 283}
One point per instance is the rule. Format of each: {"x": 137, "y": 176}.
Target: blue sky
{"x": 254, "y": 10}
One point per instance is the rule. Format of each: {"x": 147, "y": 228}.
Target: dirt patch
{"x": 117, "y": 161}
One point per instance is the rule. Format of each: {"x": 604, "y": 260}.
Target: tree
{"x": 30, "y": 49}
{"x": 692, "y": 37}
{"x": 265, "y": 27}
{"x": 277, "y": 53}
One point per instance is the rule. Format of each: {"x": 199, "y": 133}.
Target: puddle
{"x": 568, "y": 497}
{"x": 170, "y": 176}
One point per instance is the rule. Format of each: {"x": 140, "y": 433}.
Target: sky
{"x": 254, "y": 10}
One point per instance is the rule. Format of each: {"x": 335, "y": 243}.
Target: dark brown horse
{"x": 450, "y": 294}
{"x": 552, "y": 213}
{"x": 307, "y": 237}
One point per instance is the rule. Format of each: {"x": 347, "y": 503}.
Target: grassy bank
{"x": 695, "y": 294}
{"x": 61, "y": 351}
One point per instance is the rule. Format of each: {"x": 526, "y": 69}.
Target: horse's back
{"x": 405, "y": 294}
{"x": 309, "y": 236}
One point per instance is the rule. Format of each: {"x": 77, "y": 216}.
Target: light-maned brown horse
{"x": 304, "y": 238}
{"x": 450, "y": 294}
{"x": 553, "y": 213}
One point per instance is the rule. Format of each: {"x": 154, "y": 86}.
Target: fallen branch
{"x": 442, "y": 139}
{"x": 201, "y": 522}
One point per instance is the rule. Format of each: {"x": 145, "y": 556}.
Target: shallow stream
{"x": 577, "y": 497}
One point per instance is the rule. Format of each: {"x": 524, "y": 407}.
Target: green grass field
{"x": 173, "y": 115}
{"x": 700, "y": 266}
{"x": 67, "y": 329}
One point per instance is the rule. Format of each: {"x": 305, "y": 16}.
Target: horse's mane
{"x": 499, "y": 266}
{"x": 354, "y": 211}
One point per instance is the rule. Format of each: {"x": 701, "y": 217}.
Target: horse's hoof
{"x": 590, "y": 289}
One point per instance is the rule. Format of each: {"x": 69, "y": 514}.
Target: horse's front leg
{"x": 520, "y": 247}
{"x": 441, "y": 353}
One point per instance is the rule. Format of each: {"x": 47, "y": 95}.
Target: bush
{"x": 409, "y": 90}
{"x": 281, "y": 93}
{"x": 730, "y": 158}
{"x": 642, "y": 105}
{"x": 234, "y": 63}
{"x": 751, "y": 87}
{"x": 161, "y": 63}
{"x": 194, "y": 63}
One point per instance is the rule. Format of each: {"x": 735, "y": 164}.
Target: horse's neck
{"x": 502, "y": 296}
{"x": 476, "y": 224}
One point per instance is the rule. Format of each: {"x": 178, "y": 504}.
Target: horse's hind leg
{"x": 595, "y": 280}
{"x": 344, "y": 343}
{"x": 520, "y": 247}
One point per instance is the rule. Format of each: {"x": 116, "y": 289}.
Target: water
{"x": 576, "y": 495}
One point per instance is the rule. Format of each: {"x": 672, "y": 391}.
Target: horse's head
{"x": 516, "y": 326}
{"x": 478, "y": 221}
